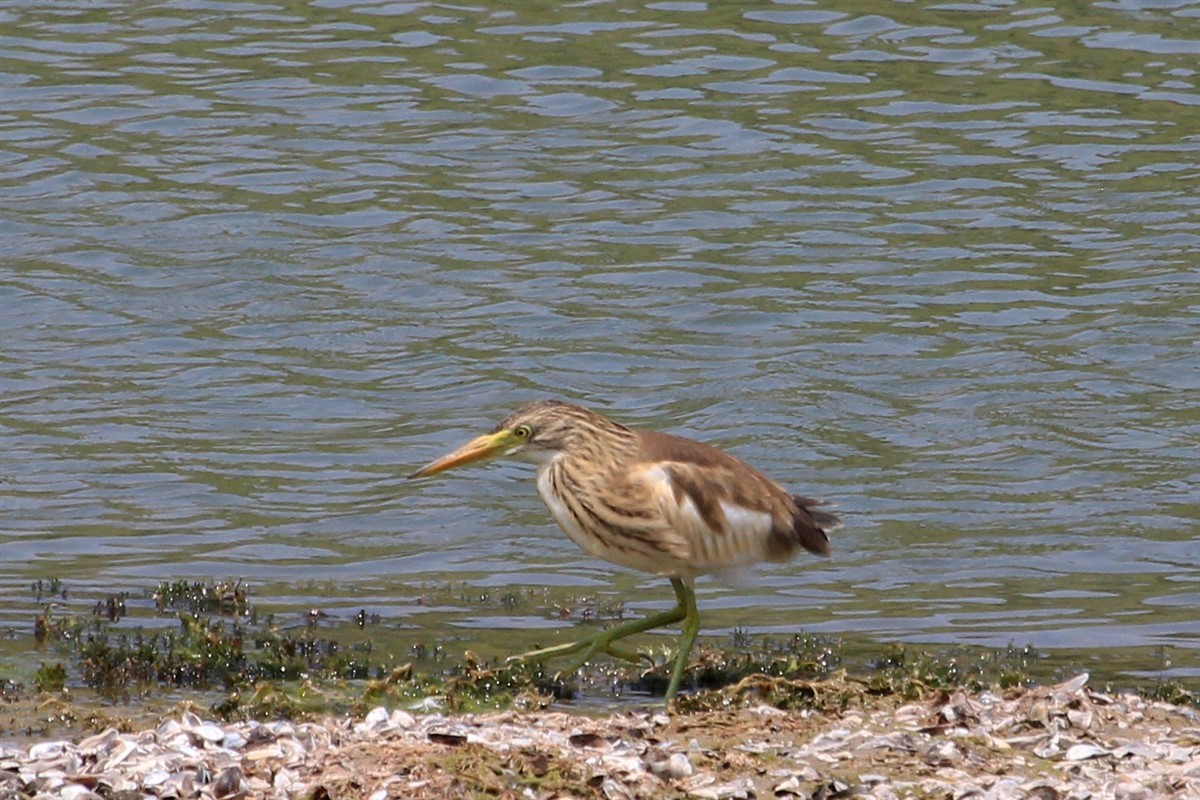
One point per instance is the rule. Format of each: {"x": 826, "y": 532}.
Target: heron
{"x": 649, "y": 501}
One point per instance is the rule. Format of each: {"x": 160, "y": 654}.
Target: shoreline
{"x": 765, "y": 737}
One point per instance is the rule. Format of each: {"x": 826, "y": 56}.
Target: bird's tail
{"x": 812, "y": 527}
{"x": 825, "y": 521}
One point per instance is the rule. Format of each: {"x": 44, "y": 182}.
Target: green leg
{"x": 602, "y": 642}
{"x": 691, "y": 625}
{"x": 684, "y": 611}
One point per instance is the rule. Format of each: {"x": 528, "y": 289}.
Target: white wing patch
{"x": 746, "y": 521}
{"x": 746, "y": 532}
{"x": 743, "y": 540}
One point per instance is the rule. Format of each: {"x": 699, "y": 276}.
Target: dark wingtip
{"x": 817, "y": 546}
{"x": 814, "y": 525}
{"x": 825, "y": 521}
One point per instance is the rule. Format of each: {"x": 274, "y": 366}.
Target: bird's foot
{"x": 591, "y": 646}
{"x": 550, "y": 652}
{"x": 629, "y": 655}
{"x": 602, "y": 642}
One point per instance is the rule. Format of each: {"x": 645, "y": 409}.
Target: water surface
{"x": 935, "y": 263}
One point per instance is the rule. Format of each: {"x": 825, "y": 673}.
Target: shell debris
{"x": 1065, "y": 741}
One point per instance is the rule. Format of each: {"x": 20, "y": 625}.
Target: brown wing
{"x": 731, "y": 513}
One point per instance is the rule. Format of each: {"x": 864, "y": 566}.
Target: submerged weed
{"x": 220, "y": 597}
{"x": 260, "y": 669}
{"x": 909, "y": 673}
{"x": 48, "y": 588}
{"x": 52, "y": 625}
{"x": 50, "y": 677}
{"x": 111, "y": 607}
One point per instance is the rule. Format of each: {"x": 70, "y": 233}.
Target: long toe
{"x": 552, "y": 652}
{"x": 627, "y": 655}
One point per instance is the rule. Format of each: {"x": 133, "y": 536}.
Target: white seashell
{"x": 1120, "y": 748}
{"x": 74, "y": 791}
{"x": 119, "y": 751}
{"x": 742, "y": 787}
{"x": 789, "y": 787}
{"x": 376, "y": 717}
{"x": 628, "y": 765}
{"x": 230, "y": 781}
{"x": 52, "y": 781}
{"x": 1080, "y": 718}
{"x": 210, "y": 732}
{"x": 1131, "y": 790}
{"x": 263, "y": 753}
{"x": 429, "y": 704}
{"x": 768, "y": 711}
{"x": 156, "y": 777}
{"x": 184, "y": 785}
{"x": 294, "y": 752}
{"x": 47, "y": 750}
{"x": 285, "y": 780}
{"x": 678, "y": 766}
{"x": 402, "y": 719}
{"x": 168, "y": 728}
{"x": 123, "y": 784}
{"x": 1082, "y": 752}
{"x": 101, "y": 741}
{"x": 1072, "y": 686}
{"x": 258, "y": 786}
{"x": 282, "y": 728}
{"x": 1007, "y": 789}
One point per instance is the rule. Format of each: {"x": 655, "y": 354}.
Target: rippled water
{"x": 938, "y": 264}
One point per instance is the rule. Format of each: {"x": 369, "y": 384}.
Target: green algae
{"x": 206, "y": 644}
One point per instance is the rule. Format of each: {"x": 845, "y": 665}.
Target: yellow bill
{"x": 478, "y": 449}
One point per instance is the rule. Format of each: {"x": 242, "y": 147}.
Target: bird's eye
{"x": 523, "y": 432}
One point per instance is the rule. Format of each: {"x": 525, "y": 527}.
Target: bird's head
{"x": 538, "y": 430}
